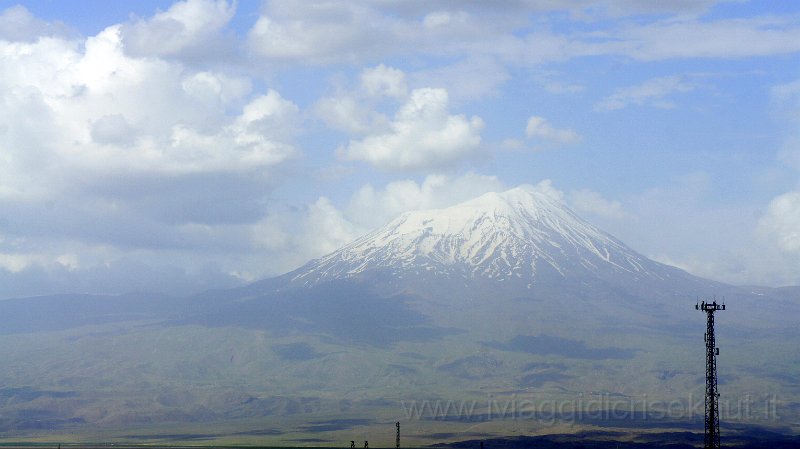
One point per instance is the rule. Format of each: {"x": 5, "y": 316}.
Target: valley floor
{"x": 574, "y": 436}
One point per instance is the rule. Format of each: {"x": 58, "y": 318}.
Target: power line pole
{"x": 711, "y": 439}
{"x": 397, "y": 440}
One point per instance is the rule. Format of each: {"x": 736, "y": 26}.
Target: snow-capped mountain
{"x": 523, "y": 234}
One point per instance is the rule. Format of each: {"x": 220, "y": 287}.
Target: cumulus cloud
{"x": 370, "y": 207}
{"x": 766, "y": 253}
{"x": 781, "y": 223}
{"x": 216, "y": 89}
{"x": 189, "y": 28}
{"x": 384, "y": 81}
{"x": 320, "y": 32}
{"x": 361, "y": 108}
{"x": 677, "y": 225}
{"x": 99, "y": 102}
{"x": 351, "y": 31}
{"x": 338, "y": 230}
{"x": 587, "y": 202}
{"x": 540, "y": 128}
{"x": 112, "y": 129}
{"x": 329, "y": 33}
{"x": 346, "y": 113}
{"x": 355, "y": 110}
{"x": 293, "y": 236}
{"x": 653, "y": 92}
{"x": 470, "y": 79}
{"x": 16, "y": 262}
{"x": 423, "y": 134}
{"x": 137, "y": 145}
{"x": 17, "y": 24}
{"x": 107, "y": 157}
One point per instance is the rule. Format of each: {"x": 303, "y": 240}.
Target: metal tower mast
{"x": 712, "y": 394}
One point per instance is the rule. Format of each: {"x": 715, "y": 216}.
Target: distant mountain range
{"x": 508, "y": 295}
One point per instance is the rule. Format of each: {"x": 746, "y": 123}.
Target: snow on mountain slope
{"x": 524, "y": 233}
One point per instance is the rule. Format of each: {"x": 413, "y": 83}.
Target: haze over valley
{"x": 505, "y": 314}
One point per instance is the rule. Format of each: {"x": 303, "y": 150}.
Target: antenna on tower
{"x": 711, "y": 439}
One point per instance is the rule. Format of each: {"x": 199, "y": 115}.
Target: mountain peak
{"x": 524, "y": 234}
{"x": 524, "y": 197}
{"x": 522, "y": 200}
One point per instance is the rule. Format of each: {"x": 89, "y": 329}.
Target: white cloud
{"x": 189, "y": 28}
{"x": 338, "y": 231}
{"x": 360, "y": 109}
{"x": 370, "y": 207}
{"x": 137, "y": 145}
{"x": 356, "y": 110}
{"x": 546, "y": 187}
{"x": 695, "y": 38}
{"x": 540, "y": 128}
{"x": 332, "y": 32}
{"x": 97, "y": 109}
{"x": 441, "y": 19}
{"x": 780, "y": 225}
{"x": 113, "y": 129}
{"x": 653, "y": 92}
{"x": 257, "y": 138}
{"x": 467, "y": 80}
{"x": 787, "y": 91}
{"x": 216, "y": 89}
{"x": 266, "y": 117}
{"x": 384, "y": 81}
{"x": 110, "y": 160}
{"x": 422, "y": 135}
{"x": 323, "y": 32}
{"x": 17, "y": 24}
{"x": 294, "y": 238}
{"x": 765, "y": 253}
{"x": 346, "y": 113}
{"x": 41, "y": 273}
{"x": 15, "y": 262}
{"x": 587, "y": 202}
{"x": 18, "y": 262}
{"x": 678, "y": 225}
{"x": 320, "y": 32}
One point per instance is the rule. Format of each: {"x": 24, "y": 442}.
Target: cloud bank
{"x": 208, "y": 142}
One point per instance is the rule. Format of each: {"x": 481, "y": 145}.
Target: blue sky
{"x": 182, "y": 146}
